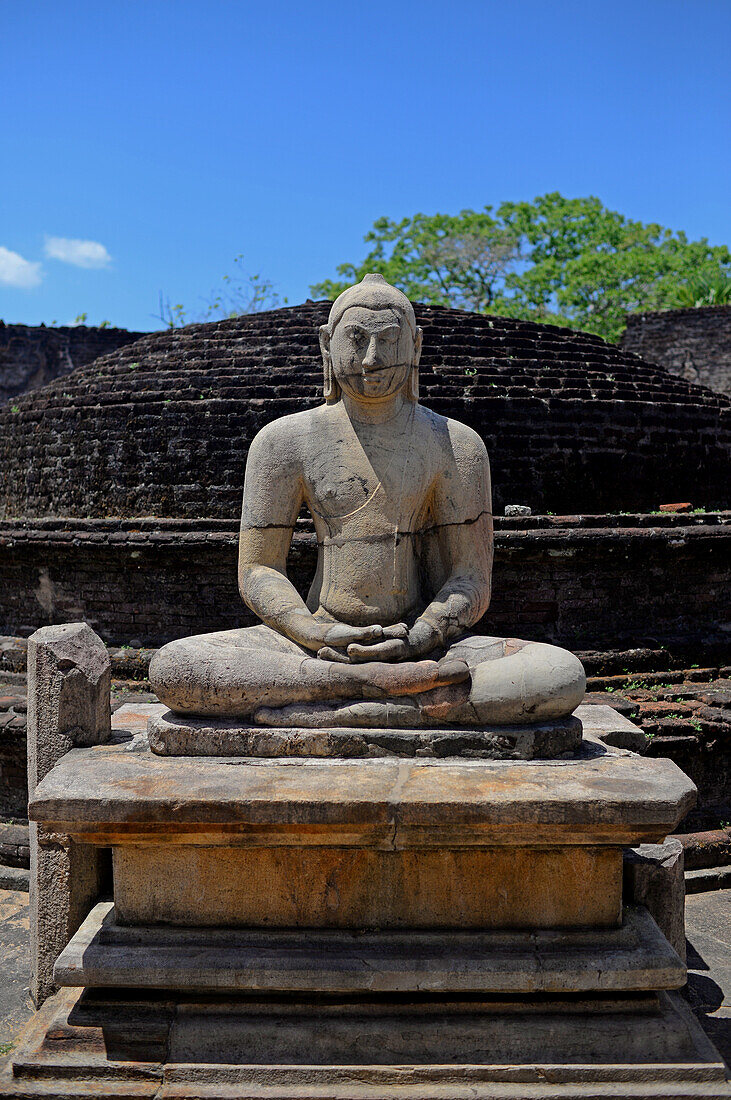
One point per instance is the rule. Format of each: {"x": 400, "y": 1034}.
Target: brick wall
{"x": 584, "y": 582}
{"x": 694, "y": 344}
{"x": 162, "y": 427}
{"x": 31, "y": 356}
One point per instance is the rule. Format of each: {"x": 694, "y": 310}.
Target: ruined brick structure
{"x": 31, "y": 356}
{"x": 694, "y": 344}
{"x": 162, "y": 426}
{"x": 120, "y": 490}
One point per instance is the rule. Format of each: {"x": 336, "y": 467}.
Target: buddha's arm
{"x": 273, "y": 494}
{"x": 462, "y": 515}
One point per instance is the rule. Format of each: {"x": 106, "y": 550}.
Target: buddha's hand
{"x": 398, "y": 644}
{"x": 318, "y": 636}
{"x": 338, "y": 638}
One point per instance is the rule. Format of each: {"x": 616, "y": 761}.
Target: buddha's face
{"x": 372, "y": 352}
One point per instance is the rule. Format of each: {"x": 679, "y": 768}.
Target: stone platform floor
{"x": 708, "y": 918}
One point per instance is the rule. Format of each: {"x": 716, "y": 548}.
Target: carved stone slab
{"x": 174, "y": 735}
{"x": 123, "y": 793}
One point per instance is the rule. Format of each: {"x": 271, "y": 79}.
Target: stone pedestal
{"x": 416, "y": 928}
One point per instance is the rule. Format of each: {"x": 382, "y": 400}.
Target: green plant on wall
{"x": 712, "y": 289}
{"x": 239, "y": 293}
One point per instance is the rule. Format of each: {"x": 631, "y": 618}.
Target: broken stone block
{"x": 654, "y": 877}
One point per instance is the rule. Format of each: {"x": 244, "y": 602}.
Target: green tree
{"x": 449, "y": 260}
{"x": 571, "y": 262}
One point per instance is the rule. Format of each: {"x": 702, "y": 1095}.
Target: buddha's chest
{"x": 382, "y": 481}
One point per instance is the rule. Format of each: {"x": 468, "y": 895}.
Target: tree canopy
{"x": 563, "y": 261}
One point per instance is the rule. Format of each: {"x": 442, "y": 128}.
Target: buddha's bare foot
{"x": 423, "y": 709}
{"x": 442, "y": 704}
{"x": 358, "y": 713}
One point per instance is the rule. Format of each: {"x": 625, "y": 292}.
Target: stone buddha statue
{"x": 401, "y": 503}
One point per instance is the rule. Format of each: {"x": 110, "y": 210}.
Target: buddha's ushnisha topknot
{"x": 372, "y": 292}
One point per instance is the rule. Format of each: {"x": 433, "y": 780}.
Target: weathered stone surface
{"x": 356, "y": 888}
{"x": 706, "y": 849}
{"x": 654, "y": 877}
{"x": 68, "y": 694}
{"x": 68, "y": 705}
{"x": 178, "y": 1048}
{"x": 694, "y": 344}
{"x": 31, "y": 356}
{"x": 607, "y": 796}
{"x": 173, "y": 735}
{"x": 632, "y": 957}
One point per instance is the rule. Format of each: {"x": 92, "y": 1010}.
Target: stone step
{"x": 632, "y": 958}
{"x": 416, "y": 1048}
{"x": 707, "y": 878}
{"x": 710, "y": 849}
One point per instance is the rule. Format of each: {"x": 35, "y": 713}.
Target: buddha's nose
{"x": 372, "y": 356}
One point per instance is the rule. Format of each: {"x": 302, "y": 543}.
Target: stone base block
{"x": 174, "y": 735}
{"x": 413, "y": 1048}
{"x": 635, "y": 957}
{"x": 362, "y": 888}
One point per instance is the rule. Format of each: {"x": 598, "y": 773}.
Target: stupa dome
{"x": 162, "y": 426}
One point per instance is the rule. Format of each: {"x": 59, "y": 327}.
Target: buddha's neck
{"x": 374, "y": 412}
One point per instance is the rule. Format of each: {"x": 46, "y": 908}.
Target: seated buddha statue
{"x": 401, "y": 503}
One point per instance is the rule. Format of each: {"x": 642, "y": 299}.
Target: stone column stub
{"x": 69, "y": 683}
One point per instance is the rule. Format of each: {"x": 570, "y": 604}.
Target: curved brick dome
{"x": 162, "y": 426}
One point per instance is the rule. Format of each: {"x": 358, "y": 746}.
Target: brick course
{"x": 586, "y": 582}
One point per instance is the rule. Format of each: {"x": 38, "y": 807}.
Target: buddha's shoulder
{"x": 451, "y": 434}
{"x": 286, "y": 430}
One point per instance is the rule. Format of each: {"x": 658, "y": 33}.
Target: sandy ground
{"x": 708, "y": 928}
{"x": 15, "y": 1003}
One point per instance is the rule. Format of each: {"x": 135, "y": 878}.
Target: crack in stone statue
{"x": 400, "y": 499}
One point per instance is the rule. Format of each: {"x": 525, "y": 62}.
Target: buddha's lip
{"x": 388, "y": 366}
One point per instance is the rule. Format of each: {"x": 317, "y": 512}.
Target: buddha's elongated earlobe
{"x": 412, "y": 388}
{"x": 330, "y": 388}
{"x": 328, "y": 382}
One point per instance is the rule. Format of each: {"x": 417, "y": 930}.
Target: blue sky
{"x": 146, "y": 143}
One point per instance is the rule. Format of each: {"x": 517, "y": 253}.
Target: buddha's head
{"x": 371, "y": 344}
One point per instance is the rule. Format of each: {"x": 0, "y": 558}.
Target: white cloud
{"x": 80, "y": 253}
{"x": 15, "y": 271}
